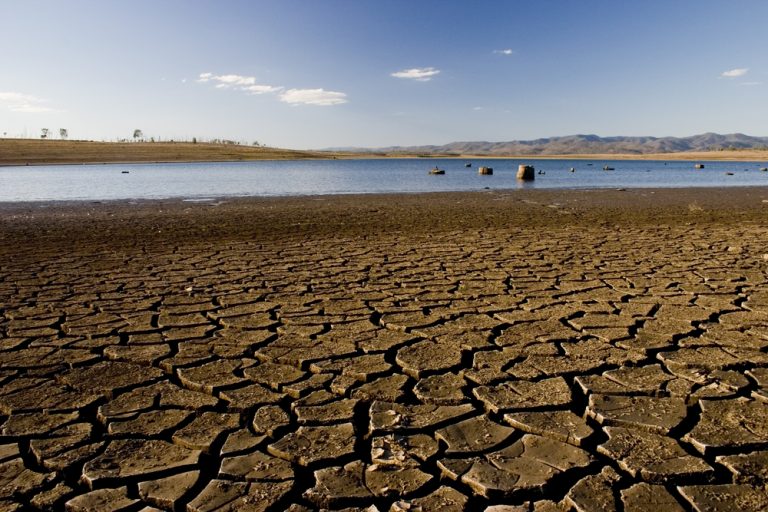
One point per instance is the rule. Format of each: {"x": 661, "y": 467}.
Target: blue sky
{"x": 314, "y": 74}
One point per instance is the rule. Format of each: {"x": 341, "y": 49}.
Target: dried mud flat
{"x": 499, "y": 351}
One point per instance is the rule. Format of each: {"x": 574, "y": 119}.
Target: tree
{"x": 137, "y": 134}
{"x": 44, "y": 133}
{"x": 63, "y": 133}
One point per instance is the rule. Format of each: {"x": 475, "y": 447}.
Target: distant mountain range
{"x": 584, "y": 144}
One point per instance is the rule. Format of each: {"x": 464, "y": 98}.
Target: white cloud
{"x": 734, "y": 73}
{"x": 507, "y": 51}
{"x": 25, "y": 103}
{"x": 478, "y": 108}
{"x": 751, "y": 83}
{"x": 418, "y": 74}
{"x": 248, "y": 85}
{"x": 261, "y": 89}
{"x": 319, "y": 97}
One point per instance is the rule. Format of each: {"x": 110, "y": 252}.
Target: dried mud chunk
{"x": 226, "y": 496}
{"x": 268, "y": 419}
{"x": 395, "y": 481}
{"x": 60, "y": 440}
{"x": 427, "y": 356}
{"x": 711, "y": 358}
{"x": 67, "y": 457}
{"x": 388, "y": 389}
{"x": 166, "y": 492}
{"x": 725, "y": 498}
{"x": 148, "y": 424}
{"x": 17, "y": 480}
{"x": 360, "y": 367}
{"x": 49, "y": 396}
{"x": 211, "y": 376}
{"x": 51, "y": 498}
{"x": 444, "y": 499}
{"x": 102, "y": 499}
{"x": 307, "y": 386}
{"x": 525, "y": 466}
{"x": 35, "y": 424}
{"x": 730, "y": 424}
{"x": 402, "y": 451}
{"x": 748, "y": 468}
{"x": 595, "y": 492}
{"x": 111, "y": 377}
{"x": 256, "y": 466}
{"x": 125, "y": 459}
{"x": 652, "y": 457}
{"x": 249, "y": 397}
{"x": 641, "y": 497}
{"x": 338, "y": 484}
{"x": 521, "y": 394}
{"x": 644, "y": 412}
{"x": 309, "y": 445}
{"x": 334, "y": 412}
{"x": 562, "y": 426}
{"x": 205, "y": 429}
{"x": 273, "y": 375}
{"x": 392, "y": 417}
{"x": 445, "y": 389}
{"x": 141, "y": 354}
{"x": 473, "y": 435}
{"x": 240, "y": 441}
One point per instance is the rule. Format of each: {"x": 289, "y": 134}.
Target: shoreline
{"x": 32, "y": 152}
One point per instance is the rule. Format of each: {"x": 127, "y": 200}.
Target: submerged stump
{"x": 526, "y": 172}
{"x": 485, "y": 170}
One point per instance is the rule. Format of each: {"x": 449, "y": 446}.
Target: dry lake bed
{"x": 497, "y": 351}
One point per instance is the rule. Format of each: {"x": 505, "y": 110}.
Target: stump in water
{"x": 698, "y": 166}
{"x": 526, "y": 172}
{"x": 485, "y": 170}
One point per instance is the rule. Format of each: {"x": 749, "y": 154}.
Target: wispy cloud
{"x": 319, "y": 97}
{"x": 25, "y": 103}
{"x": 734, "y": 73}
{"x": 507, "y": 51}
{"x": 418, "y": 74}
{"x": 751, "y": 83}
{"x": 248, "y": 85}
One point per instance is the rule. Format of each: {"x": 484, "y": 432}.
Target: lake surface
{"x": 199, "y": 181}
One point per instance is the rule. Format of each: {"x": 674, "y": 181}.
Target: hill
{"x": 587, "y": 144}
{"x": 36, "y": 152}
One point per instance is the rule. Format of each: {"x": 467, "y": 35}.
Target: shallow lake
{"x": 320, "y": 177}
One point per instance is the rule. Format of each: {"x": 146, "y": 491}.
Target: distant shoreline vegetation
{"x": 46, "y": 151}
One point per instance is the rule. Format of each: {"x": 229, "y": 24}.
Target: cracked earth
{"x": 493, "y": 352}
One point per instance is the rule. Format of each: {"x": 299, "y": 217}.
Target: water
{"x": 201, "y": 181}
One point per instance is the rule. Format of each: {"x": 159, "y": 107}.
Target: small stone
{"x": 309, "y": 445}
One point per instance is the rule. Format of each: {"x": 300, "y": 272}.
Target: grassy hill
{"x": 34, "y": 151}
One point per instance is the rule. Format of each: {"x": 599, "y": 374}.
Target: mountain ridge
{"x": 582, "y": 144}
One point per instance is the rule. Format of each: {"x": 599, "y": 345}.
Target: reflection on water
{"x": 206, "y": 181}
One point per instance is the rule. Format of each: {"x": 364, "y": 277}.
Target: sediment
{"x": 503, "y": 350}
